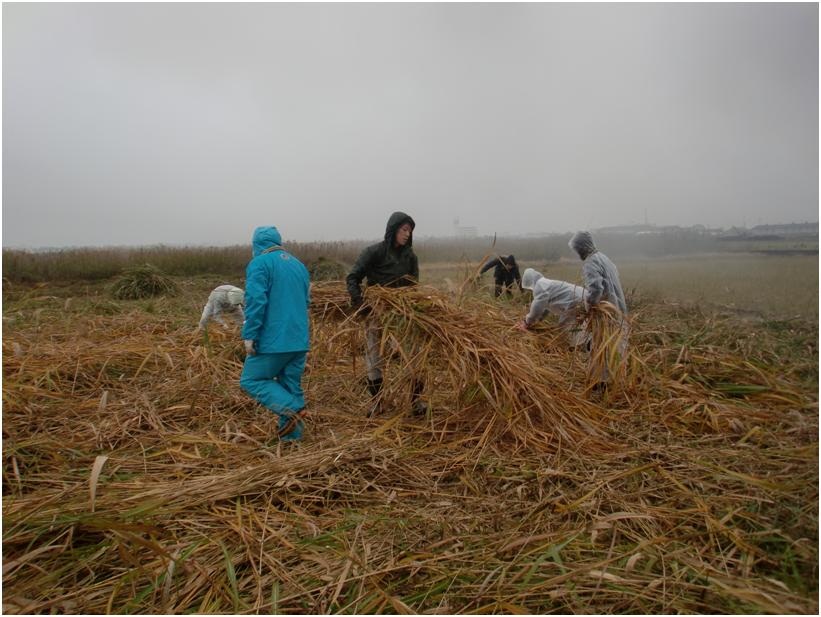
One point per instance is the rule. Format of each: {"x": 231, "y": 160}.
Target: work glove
{"x": 359, "y": 307}
{"x": 249, "y": 347}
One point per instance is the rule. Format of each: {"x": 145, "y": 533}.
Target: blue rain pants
{"x": 275, "y": 380}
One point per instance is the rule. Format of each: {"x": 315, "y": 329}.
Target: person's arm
{"x": 537, "y": 308}
{"x": 356, "y": 275}
{"x": 517, "y": 277}
{"x": 207, "y": 312}
{"x": 593, "y": 283}
{"x": 257, "y": 284}
{"x": 415, "y": 269}
{"x": 487, "y": 266}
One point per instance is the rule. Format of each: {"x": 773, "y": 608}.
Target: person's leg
{"x": 290, "y": 424}
{"x": 374, "y": 362}
{"x": 418, "y": 406}
{"x": 373, "y": 357}
{"x": 290, "y": 378}
{"x": 497, "y": 289}
{"x": 259, "y": 379}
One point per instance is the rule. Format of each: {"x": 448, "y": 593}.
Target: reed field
{"x": 139, "y": 478}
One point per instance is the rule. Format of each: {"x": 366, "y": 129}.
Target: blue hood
{"x": 265, "y": 238}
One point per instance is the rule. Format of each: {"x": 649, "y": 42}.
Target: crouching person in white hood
{"x": 224, "y": 300}
{"x": 562, "y": 299}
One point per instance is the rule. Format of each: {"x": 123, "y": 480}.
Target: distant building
{"x": 789, "y": 230}
{"x": 462, "y": 231}
{"x": 654, "y": 230}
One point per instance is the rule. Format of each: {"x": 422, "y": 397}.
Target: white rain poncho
{"x": 599, "y": 274}
{"x": 224, "y": 300}
{"x": 559, "y": 298}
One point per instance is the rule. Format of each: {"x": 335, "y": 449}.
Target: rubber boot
{"x": 418, "y": 406}
{"x": 374, "y": 388}
{"x": 290, "y": 426}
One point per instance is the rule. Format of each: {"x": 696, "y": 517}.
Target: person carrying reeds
{"x": 390, "y": 263}
{"x": 276, "y": 332}
{"x": 600, "y": 278}
{"x": 505, "y": 275}
{"x": 560, "y": 298}
{"x": 224, "y": 300}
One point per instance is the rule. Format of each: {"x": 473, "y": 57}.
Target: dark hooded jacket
{"x": 383, "y": 264}
{"x": 505, "y": 272}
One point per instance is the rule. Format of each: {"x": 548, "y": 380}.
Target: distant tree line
{"x": 91, "y": 264}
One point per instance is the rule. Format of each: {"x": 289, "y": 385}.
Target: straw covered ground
{"x": 138, "y": 478}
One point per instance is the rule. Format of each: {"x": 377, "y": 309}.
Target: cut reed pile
{"x": 143, "y": 281}
{"x": 494, "y": 385}
{"x": 138, "y": 478}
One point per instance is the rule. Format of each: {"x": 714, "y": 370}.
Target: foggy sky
{"x": 134, "y": 124}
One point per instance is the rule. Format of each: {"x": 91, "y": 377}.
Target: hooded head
{"x": 265, "y": 238}
{"x": 510, "y": 260}
{"x": 582, "y": 243}
{"x": 530, "y": 278}
{"x": 396, "y": 221}
{"x": 236, "y": 296}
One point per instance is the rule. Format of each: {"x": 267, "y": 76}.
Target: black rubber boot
{"x": 418, "y": 406}
{"x": 374, "y": 388}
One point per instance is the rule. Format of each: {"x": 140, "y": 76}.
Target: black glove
{"x": 359, "y": 306}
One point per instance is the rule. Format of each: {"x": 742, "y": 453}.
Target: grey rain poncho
{"x": 559, "y": 298}
{"x": 224, "y": 300}
{"x": 599, "y": 274}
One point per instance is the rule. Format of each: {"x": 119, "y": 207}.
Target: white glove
{"x": 249, "y": 348}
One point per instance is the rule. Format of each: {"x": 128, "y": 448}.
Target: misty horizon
{"x": 192, "y": 124}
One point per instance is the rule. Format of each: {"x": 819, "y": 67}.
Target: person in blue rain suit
{"x": 276, "y": 332}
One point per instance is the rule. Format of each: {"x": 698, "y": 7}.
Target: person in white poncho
{"x": 224, "y": 300}
{"x": 562, "y": 299}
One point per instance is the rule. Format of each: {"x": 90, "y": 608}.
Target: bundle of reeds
{"x": 143, "y": 281}
{"x": 609, "y": 330}
{"x": 324, "y": 269}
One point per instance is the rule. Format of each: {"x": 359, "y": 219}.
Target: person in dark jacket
{"x": 390, "y": 263}
{"x": 505, "y": 273}
{"x": 276, "y": 331}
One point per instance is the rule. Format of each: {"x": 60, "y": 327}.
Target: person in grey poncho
{"x": 599, "y": 275}
{"x": 601, "y": 283}
{"x": 560, "y": 298}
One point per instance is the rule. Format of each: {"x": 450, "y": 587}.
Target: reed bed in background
{"x": 139, "y": 479}
{"x": 88, "y": 263}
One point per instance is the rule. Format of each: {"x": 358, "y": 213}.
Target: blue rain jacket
{"x": 277, "y": 295}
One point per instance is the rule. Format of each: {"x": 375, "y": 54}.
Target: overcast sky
{"x": 133, "y": 124}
